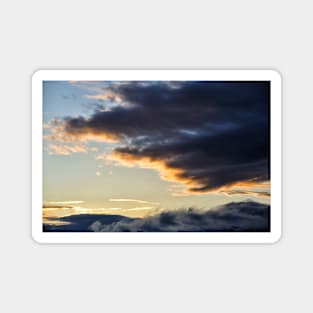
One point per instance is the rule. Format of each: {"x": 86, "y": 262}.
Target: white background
{"x": 155, "y": 34}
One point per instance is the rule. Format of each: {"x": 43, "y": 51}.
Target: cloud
{"x": 233, "y": 217}
{"x": 245, "y": 216}
{"x": 57, "y": 134}
{"x": 235, "y": 192}
{"x": 79, "y": 222}
{"x": 65, "y": 149}
{"x": 93, "y": 149}
{"x": 65, "y": 202}
{"x": 133, "y": 200}
{"x": 105, "y": 96}
{"x": 54, "y": 207}
{"x": 206, "y": 135}
{"x": 141, "y": 208}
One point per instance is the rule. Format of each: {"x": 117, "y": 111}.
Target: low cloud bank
{"x": 245, "y": 216}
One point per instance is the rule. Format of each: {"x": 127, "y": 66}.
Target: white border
{"x": 98, "y": 237}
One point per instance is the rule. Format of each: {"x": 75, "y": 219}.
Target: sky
{"x": 140, "y": 148}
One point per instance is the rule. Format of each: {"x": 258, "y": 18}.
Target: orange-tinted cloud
{"x": 58, "y": 132}
{"x": 105, "y": 96}
{"x": 59, "y": 141}
{"x": 177, "y": 175}
{"x": 66, "y": 149}
{"x": 208, "y": 136}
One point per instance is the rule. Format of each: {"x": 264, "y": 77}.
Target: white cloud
{"x": 133, "y": 200}
{"x": 65, "y": 202}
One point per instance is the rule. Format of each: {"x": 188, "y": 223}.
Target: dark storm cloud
{"x": 232, "y": 217}
{"x": 212, "y": 134}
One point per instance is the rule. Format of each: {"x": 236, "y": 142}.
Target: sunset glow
{"x": 141, "y": 149}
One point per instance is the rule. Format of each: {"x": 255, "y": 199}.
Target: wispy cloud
{"x": 64, "y": 202}
{"x": 57, "y": 132}
{"x": 66, "y": 149}
{"x": 263, "y": 194}
{"x": 142, "y": 208}
{"x": 56, "y": 212}
{"x": 105, "y": 96}
{"x": 133, "y": 200}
